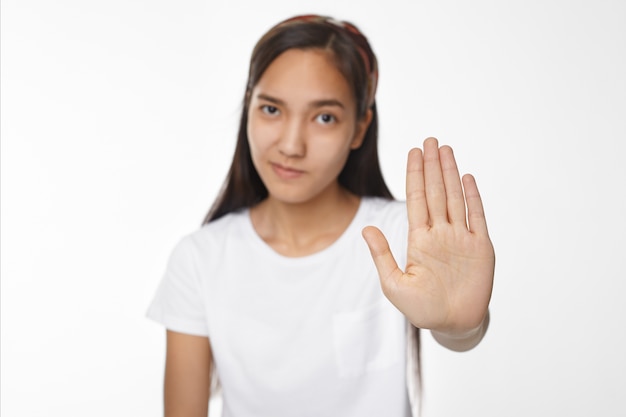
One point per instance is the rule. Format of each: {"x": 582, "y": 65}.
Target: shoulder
{"x": 390, "y": 216}
{"x": 381, "y": 203}
{"x": 382, "y": 210}
{"x": 234, "y": 222}
{"x": 211, "y": 237}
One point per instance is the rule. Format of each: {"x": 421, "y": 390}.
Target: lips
{"x": 285, "y": 172}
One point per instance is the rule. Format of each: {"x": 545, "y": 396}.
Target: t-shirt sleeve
{"x": 178, "y": 301}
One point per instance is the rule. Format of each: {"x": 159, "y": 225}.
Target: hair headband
{"x": 360, "y": 41}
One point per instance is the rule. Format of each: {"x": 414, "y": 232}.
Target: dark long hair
{"x": 351, "y": 52}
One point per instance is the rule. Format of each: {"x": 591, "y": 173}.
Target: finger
{"x": 475, "y": 211}
{"x": 386, "y": 265}
{"x": 433, "y": 181}
{"x": 415, "y": 193}
{"x": 454, "y": 191}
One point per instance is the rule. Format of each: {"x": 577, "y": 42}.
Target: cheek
{"x": 260, "y": 135}
{"x": 332, "y": 152}
{"x": 342, "y": 143}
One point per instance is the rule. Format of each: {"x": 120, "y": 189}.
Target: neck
{"x": 299, "y": 229}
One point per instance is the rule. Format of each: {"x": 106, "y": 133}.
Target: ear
{"x": 361, "y": 128}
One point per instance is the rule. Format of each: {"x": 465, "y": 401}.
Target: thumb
{"x": 386, "y": 265}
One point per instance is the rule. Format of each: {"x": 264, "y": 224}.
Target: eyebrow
{"x": 314, "y": 104}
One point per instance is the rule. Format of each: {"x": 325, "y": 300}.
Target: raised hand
{"x": 446, "y": 285}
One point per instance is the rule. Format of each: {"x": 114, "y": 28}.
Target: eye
{"x": 270, "y": 110}
{"x": 325, "y": 118}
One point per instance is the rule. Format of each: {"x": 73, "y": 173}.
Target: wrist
{"x": 464, "y": 340}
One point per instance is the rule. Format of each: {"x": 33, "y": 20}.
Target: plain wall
{"x": 118, "y": 125}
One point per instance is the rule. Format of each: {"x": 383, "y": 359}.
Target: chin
{"x": 299, "y": 195}
{"x": 291, "y": 199}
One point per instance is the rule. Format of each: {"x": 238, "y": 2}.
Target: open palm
{"x": 447, "y": 282}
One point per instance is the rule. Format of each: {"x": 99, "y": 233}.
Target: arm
{"x": 187, "y": 375}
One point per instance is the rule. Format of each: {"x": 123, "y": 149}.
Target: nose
{"x": 292, "y": 141}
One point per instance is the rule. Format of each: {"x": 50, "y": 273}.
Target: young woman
{"x": 277, "y": 294}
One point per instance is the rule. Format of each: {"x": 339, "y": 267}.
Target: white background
{"x": 118, "y": 124}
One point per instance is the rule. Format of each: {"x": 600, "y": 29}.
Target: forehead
{"x": 304, "y": 74}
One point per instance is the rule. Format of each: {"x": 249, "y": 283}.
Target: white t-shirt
{"x": 305, "y": 336}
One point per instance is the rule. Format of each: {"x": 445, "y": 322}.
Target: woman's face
{"x": 302, "y": 125}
